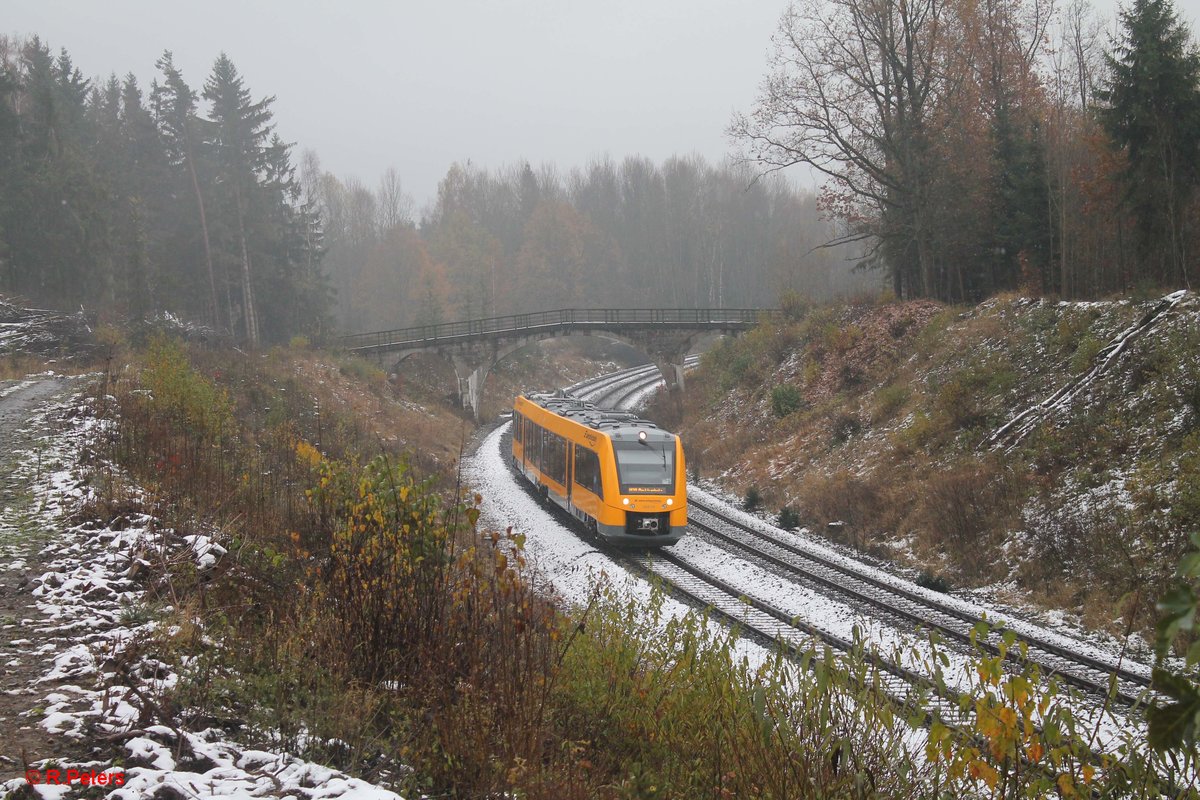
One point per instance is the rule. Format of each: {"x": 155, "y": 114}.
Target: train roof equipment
{"x": 617, "y": 424}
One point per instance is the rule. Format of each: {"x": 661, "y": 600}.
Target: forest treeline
{"x": 183, "y": 198}
{"x": 683, "y": 234}
{"x": 968, "y": 147}
{"x": 133, "y": 203}
{"x": 986, "y": 145}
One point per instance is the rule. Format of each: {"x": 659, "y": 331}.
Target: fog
{"x": 419, "y": 86}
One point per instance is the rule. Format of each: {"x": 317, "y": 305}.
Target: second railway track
{"x": 887, "y": 599}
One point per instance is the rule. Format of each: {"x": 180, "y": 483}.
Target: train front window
{"x": 646, "y": 468}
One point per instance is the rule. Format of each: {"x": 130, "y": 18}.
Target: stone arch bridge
{"x": 666, "y": 335}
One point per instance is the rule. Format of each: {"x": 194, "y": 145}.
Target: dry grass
{"x": 896, "y": 402}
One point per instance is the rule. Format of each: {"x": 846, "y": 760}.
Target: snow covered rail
{"x": 884, "y": 598}
{"x": 777, "y": 628}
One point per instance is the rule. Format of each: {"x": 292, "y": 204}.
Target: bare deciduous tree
{"x": 850, "y": 93}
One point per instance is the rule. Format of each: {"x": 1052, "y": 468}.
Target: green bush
{"x": 786, "y": 399}
{"x": 789, "y": 520}
{"x": 181, "y": 394}
{"x": 752, "y": 500}
{"x": 1085, "y": 353}
{"x": 890, "y": 399}
{"x": 930, "y": 580}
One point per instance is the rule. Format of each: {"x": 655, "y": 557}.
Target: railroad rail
{"x": 890, "y": 599}
{"x": 900, "y": 606}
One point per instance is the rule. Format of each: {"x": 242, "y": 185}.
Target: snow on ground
{"x": 568, "y": 567}
{"x": 563, "y": 565}
{"x": 101, "y": 684}
{"x": 803, "y": 539}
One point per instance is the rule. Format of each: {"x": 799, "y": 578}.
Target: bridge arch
{"x": 476, "y": 346}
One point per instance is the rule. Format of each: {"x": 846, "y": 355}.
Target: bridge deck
{"x": 564, "y": 320}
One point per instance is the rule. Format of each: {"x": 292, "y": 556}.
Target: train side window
{"x": 555, "y": 456}
{"x": 518, "y": 424}
{"x": 587, "y": 469}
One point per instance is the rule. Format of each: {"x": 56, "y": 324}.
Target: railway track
{"x": 906, "y": 607}
{"x": 897, "y": 605}
{"x": 774, "y": 627}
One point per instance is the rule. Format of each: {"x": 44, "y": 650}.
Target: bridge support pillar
{"x": 667, "y": 350}
{"x": 471, "y": 373}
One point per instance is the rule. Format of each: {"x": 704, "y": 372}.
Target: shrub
{"x": 1085, "y": 354}
{"x": 918, "y": 434}
{"x": 785, "y": 400}
{"x": 181, "y": 394}
{"x": 789, "y": 520}
{"x": 844, "y": 426}
{"x": 844, "y": 497}
{"x": 752, "y": 500}
{"x": 889, "y": 400}
{"x": 965, "y": 507}
{"x": 930, "y": 580}
{"x": 795, "y": 306}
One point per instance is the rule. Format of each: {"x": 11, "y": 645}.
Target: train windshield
{"x": 646, "y": 468}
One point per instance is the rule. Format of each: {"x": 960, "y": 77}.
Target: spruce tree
{"x": 242, "y": 128}
{"x": 1152, "y": 113}
{"x": 183, "y": 133}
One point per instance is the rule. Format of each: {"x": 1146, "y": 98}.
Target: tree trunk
{"x": 214, "y": 313}
{"x": 249, "y": 315}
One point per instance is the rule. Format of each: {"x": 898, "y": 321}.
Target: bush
{"x": 889, "y": 400}
{"x": 858, "y": 501}
{"x": 933, "y": 581}
{"x": 1085, "y": 354}
{"x": 795, "y": 306}
{"x": 752, "y": 500}
{"x": 845, "y": 425}
{"x": 789, "y": 520}
{"x": 965, "y": 508}
{"x": 785, "y": 400}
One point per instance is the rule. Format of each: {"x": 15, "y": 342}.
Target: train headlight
{"x": 625, "y": 501}
{"x": 670, "y": 501}
{"x": 642, "y": 437}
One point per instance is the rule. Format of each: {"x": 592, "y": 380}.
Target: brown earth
{"x": 22, "y": 539}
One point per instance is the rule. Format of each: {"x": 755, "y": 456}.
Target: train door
{"x": 570, "y": 469}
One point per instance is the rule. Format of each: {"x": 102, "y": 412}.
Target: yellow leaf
{"x": 986, "y": 772}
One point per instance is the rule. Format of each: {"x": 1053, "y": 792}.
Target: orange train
{"x": 622, "y": 476}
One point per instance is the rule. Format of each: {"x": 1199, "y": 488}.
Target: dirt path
{"x": 22, "y": 539}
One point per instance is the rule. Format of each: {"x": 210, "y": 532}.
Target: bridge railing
{"x": 424, "y": 335}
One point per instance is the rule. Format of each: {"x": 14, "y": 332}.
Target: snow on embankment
{"x": 103, "y": 689}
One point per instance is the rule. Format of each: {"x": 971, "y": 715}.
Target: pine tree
{"x": 1152, "y": 114}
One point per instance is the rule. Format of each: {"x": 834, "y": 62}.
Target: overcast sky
{"x": 420, "y": 85}
{"x": 370, "y": 84}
